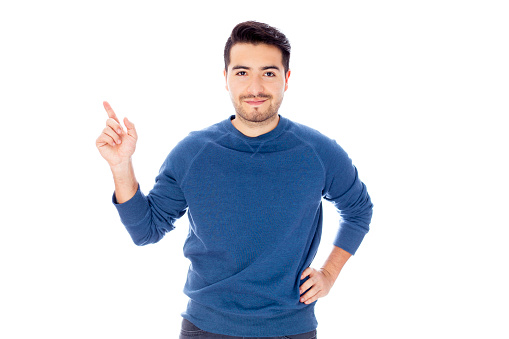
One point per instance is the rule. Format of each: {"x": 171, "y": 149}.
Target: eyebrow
{"x": 261, "y": 68}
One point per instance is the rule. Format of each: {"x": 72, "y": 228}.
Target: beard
{"x": 257, "y": 115}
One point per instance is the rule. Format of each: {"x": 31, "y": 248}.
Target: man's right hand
{"x": 116, "y": 145}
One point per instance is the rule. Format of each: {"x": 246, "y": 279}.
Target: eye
{"x": 242, "y": 73}
{"x": 270, "y": 74}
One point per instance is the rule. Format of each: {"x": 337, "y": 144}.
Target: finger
{"x": 131, "y": 130}
{"x": 306, "y": 286}
{"x": 114, "y": 125}
{"x": 103, "y": 140}
{"x": 306, "y": 272}
{"x": 114, "y": 136}
{"x": 312, "y": 299}
{"x": 312, "y": 293}
{"x": 110, "y": 111}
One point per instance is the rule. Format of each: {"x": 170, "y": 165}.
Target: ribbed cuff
{"x": 348, "y": 238}
{"x": 133, "y": 210}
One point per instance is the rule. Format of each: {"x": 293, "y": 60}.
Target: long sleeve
{"x": 148, "y": 218}
{"x": 350, "y": 197}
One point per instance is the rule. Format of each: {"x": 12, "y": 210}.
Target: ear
{"x": 286, "y": 79}
{"x": 225, "y": 79}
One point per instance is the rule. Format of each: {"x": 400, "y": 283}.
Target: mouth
{"x": 255, "y": 102}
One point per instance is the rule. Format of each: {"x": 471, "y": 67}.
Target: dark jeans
{"x": 189, "y": 330}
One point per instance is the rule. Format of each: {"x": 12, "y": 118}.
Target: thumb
{"x": 131, "y": 130}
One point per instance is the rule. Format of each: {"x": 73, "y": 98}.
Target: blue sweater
{"x": 255, "y": 213}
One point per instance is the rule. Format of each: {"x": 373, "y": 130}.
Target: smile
{"x": 255, "y": 102}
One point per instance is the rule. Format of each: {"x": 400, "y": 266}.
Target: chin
{"x": 257, "y": 117}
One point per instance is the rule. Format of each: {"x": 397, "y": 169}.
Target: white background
{"x": 415, "y": 91}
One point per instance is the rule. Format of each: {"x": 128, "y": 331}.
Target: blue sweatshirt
{"x": 255, "y": 221}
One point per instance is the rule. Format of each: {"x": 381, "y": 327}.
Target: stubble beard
{"x": 257, "y": 116}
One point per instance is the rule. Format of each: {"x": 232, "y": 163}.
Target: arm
{"x": 146, "y": 218}
{"x": 350, "y": 197}
{"x": 335, "y": 262}
{"x": 126, "y": 184}
{"x": 117, "y": 147}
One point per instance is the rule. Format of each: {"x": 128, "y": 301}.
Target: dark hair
{"x": 258, "y": 33}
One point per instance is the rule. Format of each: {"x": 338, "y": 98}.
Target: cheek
{"x": 233, "y": 87}
{"x": 234, "y": 94}
{"x": 278, "y": 91}
{"x": 277, "y": 87}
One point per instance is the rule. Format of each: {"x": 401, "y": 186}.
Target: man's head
{"x": 256, "y": 71}
{"x": 252, "y": 32}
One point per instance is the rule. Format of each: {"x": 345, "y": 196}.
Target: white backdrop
{"x": 414, "y": 91}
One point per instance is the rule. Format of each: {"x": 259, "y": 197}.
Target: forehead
{"x": 255, "y": 55}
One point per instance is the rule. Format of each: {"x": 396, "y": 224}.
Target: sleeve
{"x": 148, "y": 218}
{"x": 350, "y": 197}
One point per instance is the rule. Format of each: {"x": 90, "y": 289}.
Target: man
{"x": 252, "y": 185}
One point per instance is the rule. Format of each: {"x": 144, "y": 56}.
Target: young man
{"x": 252, "y": 186}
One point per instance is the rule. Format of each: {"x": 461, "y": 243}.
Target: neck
{"x": 255, "y": 129}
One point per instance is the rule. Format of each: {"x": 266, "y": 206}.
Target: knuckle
{"x": 111, "y": 122}
{"x": 108, "y": 134}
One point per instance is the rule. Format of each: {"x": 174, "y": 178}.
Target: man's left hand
{"x": 319, "y": 284}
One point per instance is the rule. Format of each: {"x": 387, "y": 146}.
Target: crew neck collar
{"x": 263, "y": 137}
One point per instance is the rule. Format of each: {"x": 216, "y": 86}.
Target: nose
{"x": 255, "y": 86}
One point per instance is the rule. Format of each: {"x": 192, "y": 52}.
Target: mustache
{"x": 259, "y": 96}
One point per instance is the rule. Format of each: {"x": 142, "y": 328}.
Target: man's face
{"x": 256, "y": 81}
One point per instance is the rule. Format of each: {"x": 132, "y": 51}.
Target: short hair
{"x": 254, "y": 32}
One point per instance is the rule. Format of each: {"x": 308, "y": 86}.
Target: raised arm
{"x": 117, "y": 146}
{"x": 146, "y": 218}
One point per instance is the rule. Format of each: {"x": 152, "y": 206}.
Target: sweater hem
{"x": 284, "y": 322}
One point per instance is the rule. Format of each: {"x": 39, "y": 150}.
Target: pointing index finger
{"x": 110, "y": 111}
